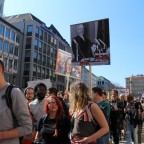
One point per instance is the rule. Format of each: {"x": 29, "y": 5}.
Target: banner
{"x": 65, "y": 67}
{"x": 90, "y": 43}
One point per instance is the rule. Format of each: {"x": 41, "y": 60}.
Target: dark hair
{"x": 130, "y": 97}
{"x": 2, "y": 64}
{"x": 53, "y": 90}
{"x": 97, "y": 90}
{"x": 114, "y": 90}
{"x": 60, "y": 92}
{"x": 104, "y": 93}
{"x": 39, "y": 84}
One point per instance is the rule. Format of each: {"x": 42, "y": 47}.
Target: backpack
{"x": 8, "y": 98}
{"x": 133, "y": 115}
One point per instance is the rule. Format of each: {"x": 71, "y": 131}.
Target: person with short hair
{"x": 114, "y": 116}
{"x": 36, "y": 106}
{"x": 8, "y": 133}
{"x": 29, "y": 94}
{"x": 132, "y": 115}
{"x": 97, "y": 96}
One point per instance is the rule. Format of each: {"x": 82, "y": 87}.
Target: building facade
{"x": 39, "y": 51}
{"x": 86, "y": 77}
{"x": 104, "y": 84}
{"x": 10, "y": 51}
{"x": 135, "y": 84}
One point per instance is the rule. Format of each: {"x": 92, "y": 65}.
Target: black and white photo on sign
{"x": 90, "y": 42}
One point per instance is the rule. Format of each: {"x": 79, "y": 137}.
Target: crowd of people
{"x": 48, "y": 116}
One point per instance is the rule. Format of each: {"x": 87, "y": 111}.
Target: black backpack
{"x": 8, "y": 98}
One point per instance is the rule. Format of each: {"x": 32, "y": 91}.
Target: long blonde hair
{"x": 79, "y": 97}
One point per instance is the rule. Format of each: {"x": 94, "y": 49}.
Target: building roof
{"x": 7, "y": 23}
{"x": 137, "y": 76}
{"x": 28, "y": 17}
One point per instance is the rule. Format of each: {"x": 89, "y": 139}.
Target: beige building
{"x": 135, "y": 84}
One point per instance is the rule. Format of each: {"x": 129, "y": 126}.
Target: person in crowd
{"x": 104, "y": 95}
{"x": 8, "y": 133}
{"x": 122, "y": 122}
{"x": 140, "y": 121}
{"x": 88, "y": 122}
{"x": 60, "y": 94}
{"x": 81, "y": 46}
{"x": 116, "y": 109}
{"x": 66, "y": 98}
{"x": 97, "y": 96}
{"x": 36, "y": 106}
{"x": 53, "y": 91}
{"x": 53, "y": 127}
{"x": 29, "y": 94}
{"x": 132, "y": 116}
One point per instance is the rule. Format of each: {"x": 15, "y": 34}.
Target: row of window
{"x": 42, "y": 35}
{"x": 8, "y": 33}
{"x": 10, "y": 64}
{"x": 8, "y": 48}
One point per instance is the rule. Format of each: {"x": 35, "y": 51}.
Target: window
{"x": 11, "y": 48}
{"x": 39, "y": 58}
{"x": 44, "y": 48}
{"x": 48, "y": 50}
{"x": 28, "y": 43}
{"x": 35, "y": 55}
{"x": 47, "y": 73}
{"x": 37, "y": 32}
{"x": 40, "y": 46}
{"x": 6, "y": 47}
{"x": 7, "y": 33}
{"x": 36, "y": 44}
{"x": 27, "y": 55}
{"x": 13, "y": 36}
{"x": 45, "y": 37}
{"x": 39, "y": 71}
{"x": 5, "y": 59}
{"x": 48, "y": 61}
{"x": 2, "y": 28}
{"x": 15, "y": 64}
{"x": 29, "y": 30}
{"x": 1, "y": 44}
{"x": 16, "y": 51}
{"x": 10, "y": 63}
{"x": 26, "y": 66}
{"x": 17, "y": 39}
{"x": 34, "y": 70}
{"x": 41, "y": 34}
{"x": 43, "y": 72}
{"x": 44, "y": 60}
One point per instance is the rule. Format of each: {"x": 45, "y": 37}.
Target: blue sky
{"x": 126, "y": 21}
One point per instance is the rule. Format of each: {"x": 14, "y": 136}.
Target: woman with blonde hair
{"x": 88, "y": 122}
